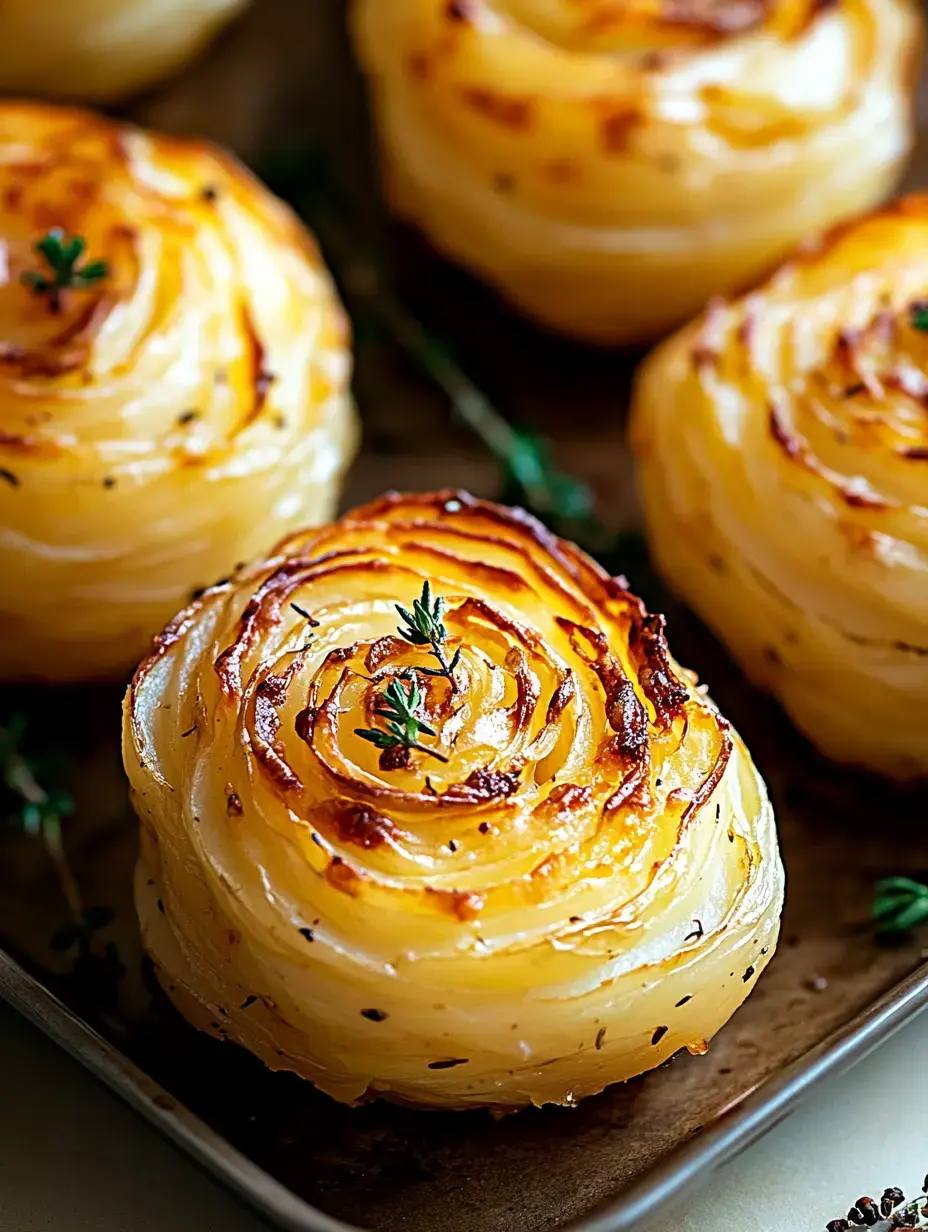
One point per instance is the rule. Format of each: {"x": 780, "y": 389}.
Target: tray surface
{"x": 284, "y": 76}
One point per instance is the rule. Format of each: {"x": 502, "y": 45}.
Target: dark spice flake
{"x": 374, "y": 1015}
{"x": 658, "y": 1035}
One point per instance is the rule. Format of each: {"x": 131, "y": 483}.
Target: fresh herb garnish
{"x": 892, "y": 1211}
{"x": 918, "y": 315}
{"x": 424, "y": 627}
{"x": 32, "y": 802}
{"x": 62, "y": 253}
{"x": 403, "y": 726}
{"x": 899, "y": 905}
{"x": 36, "y": 809}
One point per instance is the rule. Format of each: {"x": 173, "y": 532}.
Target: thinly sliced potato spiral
{"x": 611, "y": 166}
{"x": 589, "y": 883}
{"x": 168, "y": 421}
{"x": 782, "y": 443}
{"x": 101, "y": 49}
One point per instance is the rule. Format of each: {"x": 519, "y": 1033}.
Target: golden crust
{"x": 611, "y": 166}
{"x": 781, "y": 441}
{"x": 590, "y": 882}
{"x": 169, "y": 420}
{"x": 99, "y": 50}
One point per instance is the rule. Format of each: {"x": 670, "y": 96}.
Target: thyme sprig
{"x": 61, "y": 254}
{"x": 37, "y": 809}
{"x": 918, "y": 315}
{"x": 424, "y": 627}
{"x": 892, "y": 1211}
{"x": 37, "y": 806}
{"x": 899, "y": 905}
{"x": 397, "y": 707}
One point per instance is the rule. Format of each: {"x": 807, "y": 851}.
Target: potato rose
{"x": 611, "y": 166}
{"x": 498, "y": 851}
{"x": 163, "y": 415}
{"x": 782, "y": 442}
{"x": 101, "y": 49}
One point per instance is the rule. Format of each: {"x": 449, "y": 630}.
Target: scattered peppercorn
{"x": 890, "y": 1199}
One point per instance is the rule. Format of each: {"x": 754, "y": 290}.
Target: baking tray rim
{"x": 684, "y": 1169}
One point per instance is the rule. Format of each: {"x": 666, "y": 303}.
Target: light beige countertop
{"x": 73, "y": 1159}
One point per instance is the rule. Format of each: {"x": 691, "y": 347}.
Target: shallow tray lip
{"x": 689, "y": 1166}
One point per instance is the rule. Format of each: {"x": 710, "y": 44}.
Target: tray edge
{"x": 684, "y": 1170}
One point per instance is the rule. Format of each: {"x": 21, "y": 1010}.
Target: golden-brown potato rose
{"x": 101, "y": 49}
{"x": 782, "y": 444}
{"x": 168, "y": 421}
{"x": 589, "y": 881}
{"x": 611, "y": 166}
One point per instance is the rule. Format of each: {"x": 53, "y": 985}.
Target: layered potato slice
{"x": 179, "y": 402}
{"x": 566, "y": 873}
{"x": 611, "y": 166}
{"x": 782, "y": 447}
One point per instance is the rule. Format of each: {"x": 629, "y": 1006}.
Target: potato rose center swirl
{"x": 611, "y": 166}
{"x": 572, "y": 813}
{"x": 164, "y": 420}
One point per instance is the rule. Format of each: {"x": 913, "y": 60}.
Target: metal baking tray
{"x": 831, "y": 994}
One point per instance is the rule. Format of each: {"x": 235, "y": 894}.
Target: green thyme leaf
{"x": 918, "y": 315}
{"x": 61, "y": 254}
{"x": 397, "y": 706}
{"x": 425, "y": 627}
{"x": 900, "y": 904}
